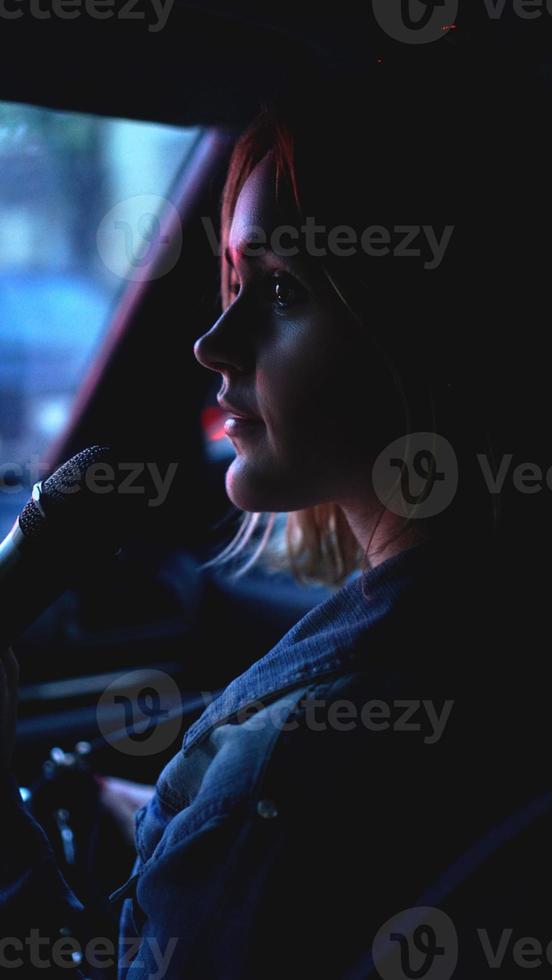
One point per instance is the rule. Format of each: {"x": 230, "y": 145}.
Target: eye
{"x": 285, "y": 290}
{"x": 282, "y": 289}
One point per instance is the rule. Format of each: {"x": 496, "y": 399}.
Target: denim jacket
{"x": 326, "y": 790}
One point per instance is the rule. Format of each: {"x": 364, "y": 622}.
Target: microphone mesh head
{"x": 30, "y": 520}
{"x": 74, "y": 472}
{"x": 70, "y": 508}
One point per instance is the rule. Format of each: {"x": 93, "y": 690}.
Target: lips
{"x": 236, "y": 411}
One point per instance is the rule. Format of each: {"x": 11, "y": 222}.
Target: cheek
{"x": 327, "y": 396}
{"x": 292, "y": 381}
{"x": 307, "y": 391}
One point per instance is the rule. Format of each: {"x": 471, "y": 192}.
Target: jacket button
{"x": 267, "y": 809}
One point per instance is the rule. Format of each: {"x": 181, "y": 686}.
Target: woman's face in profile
{"x": 291, "y": 354}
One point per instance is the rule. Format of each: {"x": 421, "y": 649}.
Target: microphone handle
{"x": 32, "y": 578}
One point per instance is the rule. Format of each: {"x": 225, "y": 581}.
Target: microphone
{"x": 74, "y": 520}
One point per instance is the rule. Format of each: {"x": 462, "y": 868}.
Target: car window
{"x": 80, "y": 201}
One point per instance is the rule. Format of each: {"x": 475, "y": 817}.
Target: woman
{"x": 332, "y": 813}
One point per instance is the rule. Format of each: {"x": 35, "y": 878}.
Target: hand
{"x": 9, "y": 680}
{"x": 122, "y": 798}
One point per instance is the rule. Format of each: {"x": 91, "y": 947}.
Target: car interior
{"x": 115, "y": 135}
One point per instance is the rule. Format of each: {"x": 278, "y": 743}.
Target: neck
{"x": 373, "y": 530}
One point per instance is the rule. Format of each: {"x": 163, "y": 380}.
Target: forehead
{"x": 257, "y": 207}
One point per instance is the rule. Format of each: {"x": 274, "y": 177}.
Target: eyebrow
{"x": 242, "y": 246}
{"x": 246, "y": 243}
{"x": 297, "y": 270}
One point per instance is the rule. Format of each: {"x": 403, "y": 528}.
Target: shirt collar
{"x": 322, "y": 642}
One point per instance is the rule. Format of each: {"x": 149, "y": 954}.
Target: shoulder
{"x": 395, "y": 754}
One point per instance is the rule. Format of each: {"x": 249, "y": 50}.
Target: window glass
{"x": 80, "y": 201}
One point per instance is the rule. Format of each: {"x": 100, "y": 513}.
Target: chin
{"x": 249, "y": 493}
{"x": 256, "y": 491}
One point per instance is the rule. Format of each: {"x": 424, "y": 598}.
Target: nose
{"x": 226, "y": 344}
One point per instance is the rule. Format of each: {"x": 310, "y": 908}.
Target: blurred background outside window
{"x": 61, "y": 277}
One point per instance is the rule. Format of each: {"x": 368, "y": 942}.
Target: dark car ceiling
{"x": 212, "y": 62}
